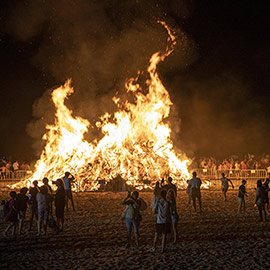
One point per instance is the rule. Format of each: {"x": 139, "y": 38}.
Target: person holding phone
{"x": 132, "y": 216}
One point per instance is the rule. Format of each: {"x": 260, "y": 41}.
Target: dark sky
{"x": 218, "y": 75}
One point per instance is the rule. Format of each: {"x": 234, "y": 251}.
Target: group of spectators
{"x": 7, "y": 168}
{"x": 39, "y": 200}
{"x": 247, "y": 162}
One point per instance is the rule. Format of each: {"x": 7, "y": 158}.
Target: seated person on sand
{"x": 194, "y": 185}
{"x": 132, "y": 216}
{"x": 241, "y": 197}
{"x": 225, "y": 185}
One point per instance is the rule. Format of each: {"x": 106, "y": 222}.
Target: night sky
{"x": 218, "y": 75}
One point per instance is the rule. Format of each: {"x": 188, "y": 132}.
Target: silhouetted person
{"x": 156, "y": 197}
{"x": 68, "y": 179}
{"x": 22, "y": 201}
{"x": 171, "y": 186}
{"x": 60, "y": 204}
{"x": 163, "y": 225}
{"x": 225, "y": 185}
{"x": 133, "y": 216}
{"x": 33, "y": 202}
{"x": 194, "y": 185}
{"x": 260, "y": 200}
{"x": 174, "y": 215}
{"x": 266, "y": 188}
{"x": 50, "y": 191}
{"x": 12, "y": 215}
{"x": 241, "y": 197}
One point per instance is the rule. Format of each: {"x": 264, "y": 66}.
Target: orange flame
{"x": 136, "y": 145}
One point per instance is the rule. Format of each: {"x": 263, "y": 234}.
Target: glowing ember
{"x": 136, "y": 144}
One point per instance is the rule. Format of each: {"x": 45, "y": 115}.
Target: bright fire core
{"x": 136, "y": 143}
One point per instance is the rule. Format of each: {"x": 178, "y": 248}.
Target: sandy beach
{"x": 95, "y": 237}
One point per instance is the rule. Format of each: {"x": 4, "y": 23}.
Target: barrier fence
{"x": 208, "y": 176}
{"x": 14, "y": 175}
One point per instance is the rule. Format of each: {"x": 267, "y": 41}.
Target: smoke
{"x": 99, "y": 44}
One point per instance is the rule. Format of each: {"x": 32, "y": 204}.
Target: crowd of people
{"x": 247, "y": 162}
{"x": 7, "y": 168}
{"x": 41, "y": 200}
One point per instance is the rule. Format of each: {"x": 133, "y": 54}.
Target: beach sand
{"x": 95, "y": 237}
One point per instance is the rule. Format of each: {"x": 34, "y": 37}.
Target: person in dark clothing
{"x": 266, "y": 189}
{"x": 50, "y": 191}
{"x": 22, "y": 201}
{"x": 171, "y": 186}
{"x": 260, "y": 200}
{"x": 12, "y": 215}
{"x": 194, "y": 185}
{"x": 33, "y": 202}
{"x": 60, "y": 204}
{"x": 241, "y": 197}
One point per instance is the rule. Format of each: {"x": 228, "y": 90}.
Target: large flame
{"x": 136, "y": 143}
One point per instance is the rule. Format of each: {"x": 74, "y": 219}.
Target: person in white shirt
{"x": 194, "y": 185}
{"x": 163, "y": 225}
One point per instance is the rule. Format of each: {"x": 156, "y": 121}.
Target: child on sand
{"x": 132, "y": 216}
{"x": 12, "y": 215}
{"x": 241, "y": 197}
{"x": 163, "y": 225}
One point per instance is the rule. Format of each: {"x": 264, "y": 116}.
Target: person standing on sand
{"x": 45, "y": 182}
{"x": 22, "y": 201}
{"x": 60, "y": 204}
{"x": 68, "y": 179}
{"x": 12, "y": 215}
{"x": 163, "y": 225}
{"x": 43, "y": 206}
{"x": 225, "y": 185}
{"x": 33, "y": 202}
{"x": 189, "y": 194}
{"x": 174, "y": 215}
{"x": 260, "y": 200}
{"x": 133, "y": 216}
{"x": 266, "y": 189}
{"x": 241, "y": 197}
{"x": 171, "y": 186}
{"x": 195, "y": 186}
{"x": 156, "y": 197}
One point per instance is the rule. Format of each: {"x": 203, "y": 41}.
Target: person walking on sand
{"x": 68, "y": 179}
{"x": 133, "y": 216}
{"x": 194, "y": 185}
{"x": 50, "y": 191}
{"x": 241, "y": 197}
{"x": 60, "y": 204}
{"x": 22, "y": 201}
{"x": 163, "y": 225}
{"x": 260, "y": 200}
{"x": 156, "y": 197}
{"x": 174, "y": 215}
{"x": 12, "y": 215}
{"x": 33, "y": 202}
{"x": 225, "y": 185}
